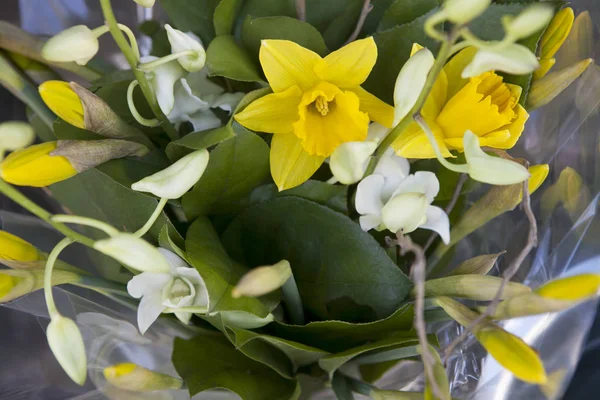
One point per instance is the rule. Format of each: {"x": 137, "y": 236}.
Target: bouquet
{"x": 286, "y": 186}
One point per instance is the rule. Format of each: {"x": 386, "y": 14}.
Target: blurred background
{"x": 28, "y": 369}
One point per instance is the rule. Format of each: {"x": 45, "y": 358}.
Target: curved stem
{"x": 48, "y": 276}
{"x": 461, "y": 168}
{"x": 111, "y": 21}
{"x": 144, "y": 229}
{"x": 132, "y": 40}
{"x": 430, "y": 24}
{"x": 102, "y": 285}
{"x": 151, "y": 123}
{"x": 163, "y": 60}
{"x": 30, "y": 206}
{"x": 94, "y": 223}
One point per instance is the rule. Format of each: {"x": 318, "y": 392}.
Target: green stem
{"x": 48, "y": 276}
{"x": 460, "y": 168}
{"x": 103, "y": 285}
{"x": 74, "y": 219}
{"x": 129, "y": 54}
{"x": 159, "y": 208}
{"x": 293, "y": 301}
{"x": 151, "y": 123}
{"x": 30, "y": 206}
{"x": 163, "y": 60}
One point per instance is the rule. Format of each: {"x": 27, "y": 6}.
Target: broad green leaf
{"x": 192, "y": 15}
{"x": 220, "y": 273}
{"x": 323, "y": 14}
{"x": 341, "y": 271}
{"x": 269, "y": 8}
{"x": 208, "y": 362}
{"x": 332, "y": 362}
{"x": 341, "y": 387}
{"x": 235, "y": 168}
{"x": 332, "y": 196}
{"x": 198, "y": 140}
{"x": 374, "y": 17}
{"x": 225, "y": 58}
{"x": 256, "y": 29}
{"x": 340, "y": 27}
{"x": 393, "y": 49}
{"x": 404, "y": 11}
{"x": 225, "y": 15}
{"x": 337, "y": 336}
{"x": 113, "y": 77}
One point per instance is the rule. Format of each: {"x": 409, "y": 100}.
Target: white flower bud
{"x": 133, "y": 252}
{"x": 514, "y": 59}
{"x": 534, "y": 18}
{"x": 463, "y": 11}
{"x": 183, "y": 42}
{"x": 410, "y": 83}
{"x": 15, "y": 135}
{"x": 245, "y": 320}
{"x": 405, "y": 212}
{"x": 489, "y": 169}
{"x": 78, "y": 43}
{"x": 262, "y": 280}
{"x": 67, "y": 346}
{"x": 145, "y": 3}
{"x": 349, "y": 161}
{"x": 175, "y": 180}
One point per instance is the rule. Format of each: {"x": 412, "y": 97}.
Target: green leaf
{"x": 268, "y": 8}
{"x": 170, "y": 239}
{"x": 337, "y": 336}
{"x": 341, "y": 271}
{"x": 374, "y": 17}
{"x": 341, "y": 387}
{"x": 332, "y": 362}
{"x": 235, "y": 168}
{"x": 256, "y": 29}
{"x": 225, "y": 58}
{"x": 220, "y": 273}
{"x": 393, "y": 49}
{"x": 332, "y": 196}
{"x": 225, "y": 15}
{"x": 404, "y": 11}
{"x": 198, "y": 140}
{"x": 208, "y": 362}
{"x": 192, "y": 15}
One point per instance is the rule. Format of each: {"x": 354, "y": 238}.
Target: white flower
{"x": 463, "y": 11}
{"x": 134, "y": 252}
{"x": 175, "y": 180}
{"x": 410, "y": 82}
{"x": 163, "y": 79}
{"x": 181, "y": 286}
{"x": 77, "y": 43}
{"x": 181, "y": 41}
{"x": 392, "y": 199}
{"x": 15, "y": 135}
{"x": 513, "y": 59}
{"x": 66, "y": 343}
{"x": 534, "y": 18}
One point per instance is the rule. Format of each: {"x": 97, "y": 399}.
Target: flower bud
{"x": 67, "y": 346}
{"x": 463, "y": 11}
{"x": 183, "y": 42}
{"x": 133, "y": 252}
{"x": 556, "y": 33}
{"x": 489, "y": 169}
{"x": 534, "y": 18}
{"x": 14, "y": 248}
{"x": 480, "y": 265}
{"x": 513, "y": 59}
{"x": 410, "y": 82}
{"x": 175, "y": 180}
{"x": 15, "y": 135}
{"x": 570, "y": 190}
{"x": 473, "y": 287}
{"x": 545, "y": 89}
{"x": 262, "y": 280}
{"x": 63, "y": 101}
{"x": 245, "y": 320}
{"x": 15, "y": 283}
{"x": 349, "y": 161}
{"x": 145, "y": 3}
{"x": 129, "y": 376}
{"x": 405, "y": 212}
{"x": 78, "y": 43}
{"x": 377, "y": 394}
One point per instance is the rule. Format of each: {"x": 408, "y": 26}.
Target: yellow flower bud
{"x": 15, "y": 135}
{"x": 17, "y": 283}
{"x": 556, "y": 33}
{"x": 129, "y": 376}
{"x": 546, "y": 65}
{"x": 544, "y": 90}
{"x": 63, "y": 101}
{"x": 572, "y": 288}
{"x": 16, "y": 249}
{"x": 34, "y": 166}
{"x": 262, "y": 280}
{"x": 78, "y": 43}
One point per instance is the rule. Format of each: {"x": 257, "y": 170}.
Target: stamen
{"x": 321, "y": 105}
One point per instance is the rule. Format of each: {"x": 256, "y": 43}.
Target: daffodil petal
{"x": 378, "y": 110}
{"x": 437, "y": 221}
{"x": 455, "y": 67}
{"x": 273, "y": 113}
{"x": 286, "y": 64}
{"x": 413, "y": 143}
{"x": 349, "y": 66}
{"x": 437, "y": 97}
{"x": 515, "y": 129}
{"x": 571, "y": 288}
{"x": 493, "y": 139}
{"x": 291, "y": 165}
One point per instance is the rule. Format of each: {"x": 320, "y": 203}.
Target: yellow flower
{"x": 34, "y": 166}
{"x": 483, "y": 104}
{"x": 129, "y": 376}
{"x": 63, "y": 101}
{"x": 553, "y": 38}
{"x": 317, "y": 105}
{"x": 16, "y": 249}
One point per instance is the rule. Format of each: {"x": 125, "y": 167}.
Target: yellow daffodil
{"x": 317, "y": 105}
{"x": 484, "y": 104}
{"x": 63, "y": 101}
{"x": 16, "y": 249}
{"x": 553, "y": 38}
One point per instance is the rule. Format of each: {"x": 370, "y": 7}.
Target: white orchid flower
{"x": 392, "y": 199}
{"x": 163, "y": 79}
{"x": 182, "y": 286}
{"x": 186, "y": 42}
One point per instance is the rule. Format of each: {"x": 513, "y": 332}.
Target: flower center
{"x": 181, "y": 288}
{"x": 492, "y": 85}
{"x": 322, "y": 105}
